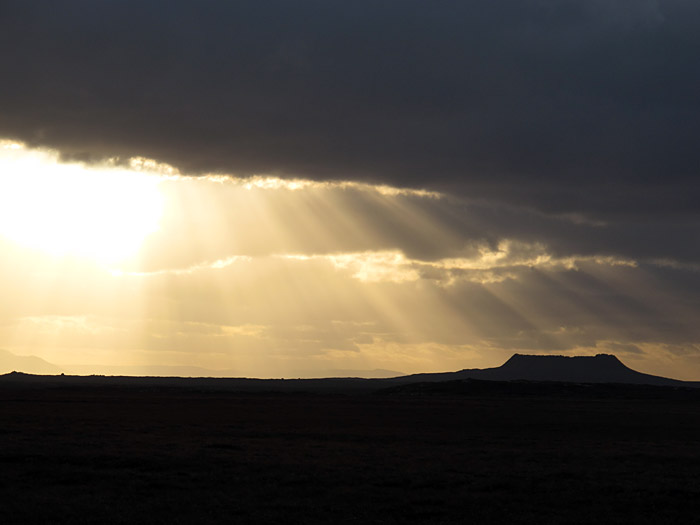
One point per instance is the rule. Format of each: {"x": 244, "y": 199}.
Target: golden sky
{"x": 133, "y": 267}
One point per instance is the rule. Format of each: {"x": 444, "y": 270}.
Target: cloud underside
{"x": 576, "y": 106}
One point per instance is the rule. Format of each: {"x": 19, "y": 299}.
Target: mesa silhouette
{"x": 601, "y": 368}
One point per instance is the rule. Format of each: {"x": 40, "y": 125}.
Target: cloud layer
{"x": 568, "y": 106}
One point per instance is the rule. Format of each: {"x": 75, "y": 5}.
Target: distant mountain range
{"x": 10, "y": 362}
{"x": 519, "y": 369}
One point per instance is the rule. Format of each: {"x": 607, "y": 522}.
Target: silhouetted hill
{"x": 223, "y": 384}
{"x": 602, "y": 368}
{"x": 599, "y": 369}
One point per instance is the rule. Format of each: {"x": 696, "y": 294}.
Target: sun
{"x": 61, "y": 209}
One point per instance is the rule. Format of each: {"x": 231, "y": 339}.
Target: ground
{"x": 123, "y": 455}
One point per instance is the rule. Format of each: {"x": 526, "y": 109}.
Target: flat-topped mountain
{"x": 601, "y": 368}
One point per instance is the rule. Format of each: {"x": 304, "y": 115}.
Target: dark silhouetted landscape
{"x": 497, "y": 445}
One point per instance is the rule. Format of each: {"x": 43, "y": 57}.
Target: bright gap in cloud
{"x": 102, "y": 214}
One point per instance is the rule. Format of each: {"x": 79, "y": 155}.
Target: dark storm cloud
{"x": 568, "y": 106}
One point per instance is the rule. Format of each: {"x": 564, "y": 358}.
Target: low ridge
{"x": 601, "y": 368}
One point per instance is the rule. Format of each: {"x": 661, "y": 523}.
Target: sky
{"x": 299, "y": 189}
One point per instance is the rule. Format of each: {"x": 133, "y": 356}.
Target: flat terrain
{"x": 177, "y": 456}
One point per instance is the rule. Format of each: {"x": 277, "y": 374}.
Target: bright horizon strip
{"x": 61, "y": 209}
{"x": 133, "y": 264}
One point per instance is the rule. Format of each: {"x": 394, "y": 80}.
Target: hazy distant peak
{"x": 29, "y": 364}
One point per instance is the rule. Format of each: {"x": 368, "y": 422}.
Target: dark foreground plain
{"x": 125, "y": 455}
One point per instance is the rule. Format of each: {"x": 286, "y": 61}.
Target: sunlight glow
{"x": 131, "y": 267}
{"x": 71, "y": 210}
